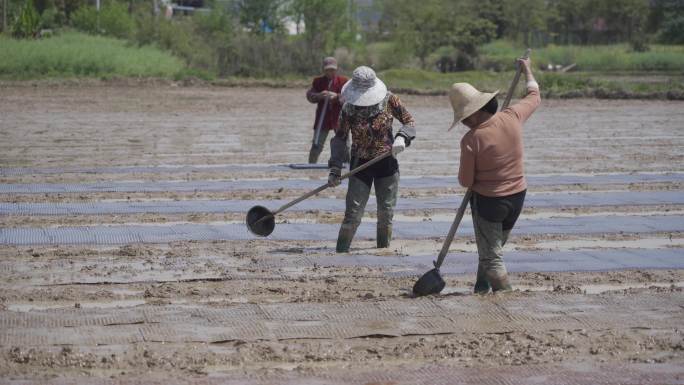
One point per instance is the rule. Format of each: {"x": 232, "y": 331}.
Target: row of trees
{"x": 250, "y": 37}
{"x": 461, "y": 26}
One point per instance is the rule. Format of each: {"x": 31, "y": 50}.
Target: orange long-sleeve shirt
{"x": 492, "y": 153}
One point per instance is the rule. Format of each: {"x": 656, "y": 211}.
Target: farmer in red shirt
{"x": 325, "y": 92}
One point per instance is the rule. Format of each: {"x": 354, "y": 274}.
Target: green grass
{"x": 602, "y": 71}
{"x": 619, "y": 57}
{"x": 584, "y": 84}
{"x": 74, "y": 54}
{"x": 610, "y": 71}
{"x": 430, "y": 81}
{"x": 287, "y": 81}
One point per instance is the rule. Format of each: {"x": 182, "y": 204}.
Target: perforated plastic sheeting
{"x": 392, "y": 317}
{"x": 267, "y": 267}
{"x": 124, "y": 234}
{"x": 425, "y": 374}
{"x": 227, "y": 168}
{"x": 16, "y": 171}
{"x": 336, "y": 205}
{"x": 309, "y": 184}
{"x": 523, "y": 261}
{"x": 87, "y": 335}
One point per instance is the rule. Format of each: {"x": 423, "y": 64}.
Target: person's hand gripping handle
{"x": 399, "y": 145}
{"x": 335, "y": 176}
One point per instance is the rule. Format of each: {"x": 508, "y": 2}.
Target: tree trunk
{"x": 4, "y": 15}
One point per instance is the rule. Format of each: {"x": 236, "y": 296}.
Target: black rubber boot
{"x": 344, "y": 239}
{"x": 499, "y": 282}
{"x": 384, "y": 235}
{"x": 481, "y": 284}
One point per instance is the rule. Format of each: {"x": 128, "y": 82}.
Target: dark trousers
{"x": 493, "y": 220}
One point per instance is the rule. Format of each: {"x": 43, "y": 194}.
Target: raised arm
{"x": 524, "y": 108}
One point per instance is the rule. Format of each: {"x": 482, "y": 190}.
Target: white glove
{"x": 399, "y": 145}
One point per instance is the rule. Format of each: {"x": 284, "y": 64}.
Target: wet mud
{"x": 598, "y": 284}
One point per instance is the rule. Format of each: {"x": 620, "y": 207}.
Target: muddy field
{"x": 124, "y": 258}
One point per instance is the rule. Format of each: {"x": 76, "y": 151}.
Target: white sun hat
{"x": 466, "y": 100}
{"x": 364, "y": 89}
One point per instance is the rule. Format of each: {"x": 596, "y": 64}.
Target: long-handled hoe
{"x": 261, "y": 221}
{"x": 432, "y": 282}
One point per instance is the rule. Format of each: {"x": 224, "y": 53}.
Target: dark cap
{"x": 329, "y": 63}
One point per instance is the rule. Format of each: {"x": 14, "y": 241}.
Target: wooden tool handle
{"x": 366, "y": 165}
{"x": 514, "y": 84}
{"x": 319, "y": 124}
{"x": 301, "y": 198}
{"x": 452, "y": 230}
{"x": 325, "y": 186}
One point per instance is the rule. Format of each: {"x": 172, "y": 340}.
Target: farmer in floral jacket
{"x": 367, "y": 114}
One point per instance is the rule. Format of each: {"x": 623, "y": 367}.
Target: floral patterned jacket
{"x": 371, "y": 130}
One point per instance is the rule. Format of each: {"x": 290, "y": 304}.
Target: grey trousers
{"x": 490, "y": 238}
{"x": 357, "y": 196}
{"x": 316, "y": 150}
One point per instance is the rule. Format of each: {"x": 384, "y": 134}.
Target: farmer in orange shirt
{"x": 492, "y": 167}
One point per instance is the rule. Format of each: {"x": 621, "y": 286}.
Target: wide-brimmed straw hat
{"x": 364, "y": 89}
{"x": 466, "y": 100}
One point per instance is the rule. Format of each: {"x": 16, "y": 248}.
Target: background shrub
{"x": 28, "y": 23}
{"x": 673, "y": 31}
{"x": 112, "y": 20}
